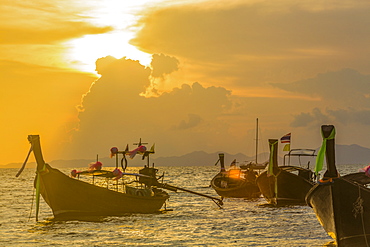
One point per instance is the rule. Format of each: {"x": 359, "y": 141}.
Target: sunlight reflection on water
{"x": 194, "y": 221}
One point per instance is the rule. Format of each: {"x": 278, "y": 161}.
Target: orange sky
{"x": 208, "y": 69}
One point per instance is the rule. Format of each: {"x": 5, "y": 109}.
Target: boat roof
{"x": 98, "y": 173}
{"x": 108, "y": 174}
{"x": 254, "y": 166}
{"x": 301, "y": 152}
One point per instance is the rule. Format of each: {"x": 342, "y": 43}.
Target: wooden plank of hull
{"x": 68, "y": 197}
{"x": 342, "y": 208}
{"x": 242, "y": 188}
{"x": 292, "y": 189}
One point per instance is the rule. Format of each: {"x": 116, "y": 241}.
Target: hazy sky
{"x": 185, "y": 75}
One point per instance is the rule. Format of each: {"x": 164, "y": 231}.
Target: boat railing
{"x": 299, "y": 153}
{"x": 129, "y": 182}
{"x": 146, "y": 180}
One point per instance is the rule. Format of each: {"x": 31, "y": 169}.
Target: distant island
{"x": 345, "y": 154}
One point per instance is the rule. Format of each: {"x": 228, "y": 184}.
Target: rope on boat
{"x": 33, "y": 195}
{"x": 19, "y": 173}
{"x": 359, "y": 209}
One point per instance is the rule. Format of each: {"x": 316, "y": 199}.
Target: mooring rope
{"x": 33, "y": 196}
{"x": 358, "y": 208}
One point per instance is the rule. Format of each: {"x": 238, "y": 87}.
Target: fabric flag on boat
{"x": 286, "y": 147}
{"x": 285, "y": 138}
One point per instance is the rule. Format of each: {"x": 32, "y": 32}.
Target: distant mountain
{"x": 345, "y": 154}
{"x": 352, "y": 154}
{"x": 197, "y": 158}
{"x": 201, "y": 158}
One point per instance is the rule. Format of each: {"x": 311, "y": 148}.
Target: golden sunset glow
{"x": 121, "y": 16}
{"x": 84, "y": 50}
{"x": 75, "y": 73}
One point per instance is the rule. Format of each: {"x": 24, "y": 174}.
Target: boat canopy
{"x": 299, "y": 153}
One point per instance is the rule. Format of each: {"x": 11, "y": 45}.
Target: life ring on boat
{"x": 139, "y": 193}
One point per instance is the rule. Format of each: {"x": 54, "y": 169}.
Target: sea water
{"x": 193, "y": 221}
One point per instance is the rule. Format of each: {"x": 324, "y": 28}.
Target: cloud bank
{"x": 40, "y": 22}
{"x": 344, "y": 97}
{"x": 259, "y": 41}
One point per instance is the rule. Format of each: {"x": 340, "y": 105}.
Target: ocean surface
{"x": 194, "y": 221}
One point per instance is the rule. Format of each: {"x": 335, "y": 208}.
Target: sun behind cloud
{"x": 83, "y": 52}
{"x": 122, "y": 16}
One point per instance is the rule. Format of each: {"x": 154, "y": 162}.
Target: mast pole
{"x": 256, "y": 140}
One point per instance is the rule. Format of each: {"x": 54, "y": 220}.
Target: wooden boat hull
{"x": 341, "y": 208}
{"x": 291, "y": 189}
{"x": 72, "y": 198}
{"x": 236, "y": 187}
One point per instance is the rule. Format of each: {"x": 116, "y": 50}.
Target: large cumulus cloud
{"x": 114, "y": 113}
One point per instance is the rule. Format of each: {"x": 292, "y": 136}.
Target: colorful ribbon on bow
{"x": 270, "y": 170}
{"x": 321, "y": 153}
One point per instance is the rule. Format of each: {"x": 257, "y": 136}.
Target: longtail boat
{"x": 287, "y": 184}
{"x": 238, "y": 182}
{"x": 341, "y": 203}
{"x": 71, "y": 198}
{"x": 235, "y": 182}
